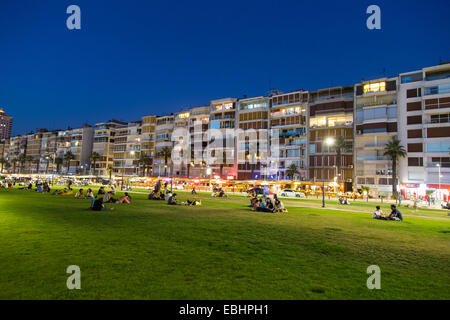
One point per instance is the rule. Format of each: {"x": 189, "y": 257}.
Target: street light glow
{"x": 329, "y": 141}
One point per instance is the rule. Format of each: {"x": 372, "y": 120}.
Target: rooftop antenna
{"x": 384, "y": 72}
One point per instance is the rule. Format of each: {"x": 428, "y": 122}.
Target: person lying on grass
{"x": 99, "y": 206}
{"x": 193, "y": 202}
{"x": 79, "y": 194}
{"x": 125, "y": 199}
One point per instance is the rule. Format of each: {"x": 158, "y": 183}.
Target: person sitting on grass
{"x": 262, "y": 206}
{"x": 101, "y": 191}
{"x": 79, "y": 194}
{"x": 279, "y": 207}
{"x": 125, "y": 199}
{"x": 108, "y": 197}
{"x": 90, "y": 195}
{"x": 378, "y": 214}
{"x": 395, "y": 214}
{"x": 152, "y": 195}
{"x": 99, "y": 206}
{"x": 269, "y": 204}
{"x": 167, "y": 195}
{"x": 172, "y": 199}
{"x": 253, "y": 200}
{"x": 193, "y": 191}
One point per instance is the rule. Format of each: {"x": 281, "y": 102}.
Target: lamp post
{"x": 329, "y": 142}
{"x": 208, "y": 172}
{"x": 439, "y": 181}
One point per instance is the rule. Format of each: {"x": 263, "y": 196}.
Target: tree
{"x": 340, "y": 146}
{"x": 58, "y": 162}
{"x": 30, "y": 160}
{"x": 68, "y": 156}
{"x": 394, "y": 150}
{"x": 165, "y": 153}
{"x": 366, "y": 189}
{"x": 109, "y": 169}
{"x": 95, "y": 156}
{"x": 36, "y": 162}
{"x": 292, "y": 171}
{"x": 145, "y": 161}
{"x": 4, "y": 164}
{"x": 22, "y": 159}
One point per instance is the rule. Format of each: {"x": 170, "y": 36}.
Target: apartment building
{"x": 181, "y": 157}
{"x": 127, "y": 148}
{"x": 253, "y": 138}
{"x": 103, "y": 144}
{"x": 288, "y": 133}
{"x": 79, "y": 142}
{"x": 198, "y": 131}
{"x": 4, "y": 155}
{"x": 148, "y": 138}
{"x": 376, "y": 122}
{"x": 424, "y": 116}
{"x": 221, "y": 141}
{"x": 33, "y": 151}
{"x": 48, "y": 151}
{"x": 163, "y": 146}
{"x": 5, "y": 125}
{"x": 330, "y": 115}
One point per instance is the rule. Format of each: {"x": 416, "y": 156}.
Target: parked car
{"x": 292, "y": 193}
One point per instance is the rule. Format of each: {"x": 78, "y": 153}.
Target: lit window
{"x": 375, "y": 87}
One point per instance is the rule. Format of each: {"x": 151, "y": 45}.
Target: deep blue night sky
{"x": 133, "y": 58}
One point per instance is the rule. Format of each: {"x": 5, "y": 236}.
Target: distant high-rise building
{"x": 5, "y": 125}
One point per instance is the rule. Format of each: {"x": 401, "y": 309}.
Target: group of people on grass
{"x": 266, "y": 204}
{"x": 218, "y": 193}
{"x": 395, "y": 214}
{"x": 164, "y": 194}
{"x": 343, "y": 200}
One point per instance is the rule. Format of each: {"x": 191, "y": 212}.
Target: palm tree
{"x": 292, "y": 171}
{"x": 145, "y": 161}
{"x": 109, "y": 169}
{"x": 340, "y": 146}
{"x": 95, "y": 156}
{"x": 165, "y": 153}
{"x": 366, "y": 189}
{"x": 4, "y": 163}
{"x": 36, "y": 162}
{"x": 58, "y": 162}
{"x": 30, "y": 160}
{"x": 47, "y": 161}
{"x": 68, "y": 156}
{"x": 22, "y": 159}
{"x": 394, "y": 150}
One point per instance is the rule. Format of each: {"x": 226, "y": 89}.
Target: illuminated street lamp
{"x": 329, "y": 142}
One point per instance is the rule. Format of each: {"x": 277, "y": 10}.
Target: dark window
{"x": 414, "y": 133}
{"x": 414, "y": 106}
{"x": 415, "y": 162}
{"x": 415, "y": 147}
{"x": 414, "y": 120}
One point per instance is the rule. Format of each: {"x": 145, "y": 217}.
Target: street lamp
{"x": 208, "y": 172}
{"x": 329, "y": 142}
{"x": 439, "y": 181}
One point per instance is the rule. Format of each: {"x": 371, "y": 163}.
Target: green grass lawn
{"x": 221, "y": 250}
